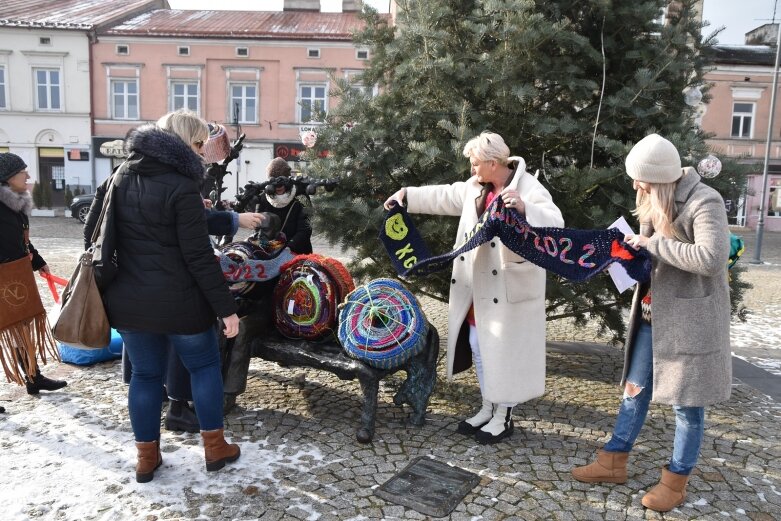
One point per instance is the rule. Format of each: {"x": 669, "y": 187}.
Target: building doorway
{"x": 51, "y": 173}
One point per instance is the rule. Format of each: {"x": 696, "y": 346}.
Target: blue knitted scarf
{"x": 573, "y": 254}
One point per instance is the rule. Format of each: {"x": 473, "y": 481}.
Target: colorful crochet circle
{"x": 382, "y": 324}
{"x": 307, "y": 295}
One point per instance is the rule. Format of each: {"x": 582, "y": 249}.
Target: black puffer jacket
{"x": 297, "y": 228}
{"x": 14, "y": 221}
{"x": 169, "y": 280}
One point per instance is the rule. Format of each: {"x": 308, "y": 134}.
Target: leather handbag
{"x": 83, "y": 321}
{"x": 24, "y": 333}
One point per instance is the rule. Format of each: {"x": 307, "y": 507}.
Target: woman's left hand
{"x": 636, "y": 241}
{"x": 512, "y": 199}
{"x": 45, "y": 269}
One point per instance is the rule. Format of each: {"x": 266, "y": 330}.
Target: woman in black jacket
{"x": 284, "y": 203}
{"x": 169, "y": 288}
{"x": 15, "y": 207}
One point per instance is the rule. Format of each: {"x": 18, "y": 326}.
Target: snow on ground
{"x": 95, "y": 467}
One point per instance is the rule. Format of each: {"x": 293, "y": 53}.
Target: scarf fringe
{"x": 22, "y": 343}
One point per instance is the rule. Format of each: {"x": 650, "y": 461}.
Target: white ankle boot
{"x": 499, "y": 427}
{"x": 471, "y": 425}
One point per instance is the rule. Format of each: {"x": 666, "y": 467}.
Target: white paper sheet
{"x": 620, "y": 277}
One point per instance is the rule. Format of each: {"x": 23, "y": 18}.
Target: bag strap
{"x": 99, "y": 230}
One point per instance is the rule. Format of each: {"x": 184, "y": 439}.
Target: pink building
{"x": 738, "y": 115}
{"x": 268, "y": 73}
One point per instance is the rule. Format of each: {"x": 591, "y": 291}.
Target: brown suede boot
{"x": 149, "y": 459}
{"x": 218, "y": 452}
{"x": 668, "y": 493}
{"x": 609, "y": 467}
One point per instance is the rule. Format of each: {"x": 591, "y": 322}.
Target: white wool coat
{"x": 508, "y": 292}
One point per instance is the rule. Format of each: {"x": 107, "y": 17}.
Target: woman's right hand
{"x": 231, "y": 325}
{"x": 398, "y": 198}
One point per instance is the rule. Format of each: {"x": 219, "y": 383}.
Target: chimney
{"x": 763, "y": 35}
{"x": 352, "y": 6}
{"x": 302, "y": 5}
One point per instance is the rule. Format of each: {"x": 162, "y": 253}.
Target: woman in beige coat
{"x": 497, "y": 299}
{"x": 682, "y": 360}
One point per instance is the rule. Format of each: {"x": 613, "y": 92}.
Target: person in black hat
{"x": 15, "y": 207}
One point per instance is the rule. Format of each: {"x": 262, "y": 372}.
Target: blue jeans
{"x": 148, "y": 354}
{"x": 689, "y": 421}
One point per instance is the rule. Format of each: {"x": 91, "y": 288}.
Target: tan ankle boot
{"x": 609, "y": 467}
{"x": 668, "y": 493}
{"x": 217, "y": 451}
{"x": 149, "y": 459}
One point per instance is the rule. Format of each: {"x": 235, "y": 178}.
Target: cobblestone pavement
{"x": 300, "y": 459}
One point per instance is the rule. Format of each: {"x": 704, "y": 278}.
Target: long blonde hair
{"x": 657, "y": 207}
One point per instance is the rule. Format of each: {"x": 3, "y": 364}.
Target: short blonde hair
{"x": 186, "y": 125}
{"x": 488, "y": 146}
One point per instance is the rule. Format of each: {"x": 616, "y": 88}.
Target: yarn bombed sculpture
{"x": 573, "y": 254}
{"x": 307, "y": 295}
{"x": 381, "y": 323}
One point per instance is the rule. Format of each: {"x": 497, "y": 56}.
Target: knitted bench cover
{"x": 307, "y": 295}
{"x": 245, "y": 263}
{"x": 382, "y": 324}
{"x": 571, "y": 253}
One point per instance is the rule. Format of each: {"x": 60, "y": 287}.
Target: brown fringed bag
{"x": 24, "y": 331}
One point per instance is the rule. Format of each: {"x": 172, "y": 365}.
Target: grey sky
{"x": 738, "y": 17}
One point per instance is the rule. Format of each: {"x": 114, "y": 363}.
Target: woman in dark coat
{"x": 169, "y": 288}
{"x": 284, "y": 203}
{"x": 15, "y": 207}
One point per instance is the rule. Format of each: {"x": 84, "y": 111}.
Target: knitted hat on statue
{"x": 10, "y": 165}
{"x": 654, "y": 160}
{"x": 278, "y": 168}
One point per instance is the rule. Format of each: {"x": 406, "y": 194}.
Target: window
{"x": 123, "y": 50}
{"x": 742, "y": 118}
{"x": 124, "y": 99}
{"x": 661, "y": 18}
{"x": 312, "y": 103}
{"x": 313, "y": 53}
{"x": 361, "y": 54}
{"x": 243, "y": 102}
{"x": 45, "y": 40}
{"x": 47, "y": 89}
{"x": 184, "y": 95}
{"x": 242, "y": 51}
{"x": 3, "y": 101}
{"x": 183, "y": 51}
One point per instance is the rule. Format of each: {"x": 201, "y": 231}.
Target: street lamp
{"x": 762, "y": 200}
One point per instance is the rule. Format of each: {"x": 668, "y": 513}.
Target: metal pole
{"x": 762, "y": 200}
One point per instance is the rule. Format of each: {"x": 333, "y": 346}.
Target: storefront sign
{"x": 293, "y": 151}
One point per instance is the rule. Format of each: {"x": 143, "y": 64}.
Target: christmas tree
{"x": 571, "y": 85}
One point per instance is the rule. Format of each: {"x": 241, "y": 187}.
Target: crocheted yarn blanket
{"x": 573, "y": 254}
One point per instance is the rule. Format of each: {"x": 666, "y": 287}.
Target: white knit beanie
{"x": 654, "y": 160}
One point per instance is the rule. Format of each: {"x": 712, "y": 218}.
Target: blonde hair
{"x": 487, "y": 147}
{"x": 186, "y": 125}
{"x": 657, "y": 207}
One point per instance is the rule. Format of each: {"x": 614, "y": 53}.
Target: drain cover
{"x": 429, "y": 487}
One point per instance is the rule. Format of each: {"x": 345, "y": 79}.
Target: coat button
{"x": 462, "y": 257}
{"x": 496, "y": 301}
{"x": 493, "y": 244}
{"x": 452, "y": 281}
{"x": 494, "y": 272}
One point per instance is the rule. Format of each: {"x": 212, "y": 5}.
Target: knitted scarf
{"x": 573, "y": 254}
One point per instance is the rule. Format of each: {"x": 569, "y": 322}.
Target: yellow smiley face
{"x": 395, "y": 228}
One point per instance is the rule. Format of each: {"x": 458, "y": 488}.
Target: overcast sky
{"x": 737, "y": 16}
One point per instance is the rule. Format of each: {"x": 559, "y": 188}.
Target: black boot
{"x": 41, "y": 383}
{"x": 181, "y": 417}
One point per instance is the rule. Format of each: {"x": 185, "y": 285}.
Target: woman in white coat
{"x": 497, "y": 299}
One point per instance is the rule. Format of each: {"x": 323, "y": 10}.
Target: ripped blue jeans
{"x": 689, "y": 421}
